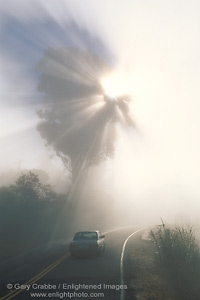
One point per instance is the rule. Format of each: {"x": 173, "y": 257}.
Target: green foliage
{"x": 29, "y": 190}
{"x": 29, "y": 213}
{"x": 178, "y": 254}
{"x": 80, "y": 122}
{"x": 7, "y": 197}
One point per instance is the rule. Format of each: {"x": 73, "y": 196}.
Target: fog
{"x": 135, "y": 160}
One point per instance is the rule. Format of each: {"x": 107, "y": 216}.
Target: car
{"x": 87, "y": 242}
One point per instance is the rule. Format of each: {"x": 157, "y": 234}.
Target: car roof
{"x": 88, "y": 231}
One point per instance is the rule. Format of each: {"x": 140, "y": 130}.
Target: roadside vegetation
{"x": 29, "y": 215}
{"x": 178, "y": 257}
{"x": 32, "y": 214}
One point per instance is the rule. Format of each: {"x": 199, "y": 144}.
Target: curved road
{"x": 55, "y": 274}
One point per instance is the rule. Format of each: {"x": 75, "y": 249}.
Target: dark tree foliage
{"x": 29, "y": 190}
{"x": 7, "y": 197}
{"x": 78, "y": 120}
{"x": 29, "y": 214}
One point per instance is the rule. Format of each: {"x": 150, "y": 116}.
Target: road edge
{"x": 122, "y": 262}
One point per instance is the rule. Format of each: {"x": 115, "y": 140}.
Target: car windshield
{"x": 86, "y": 236}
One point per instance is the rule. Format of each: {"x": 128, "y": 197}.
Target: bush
{"x": 30, "y": 215}
{"x": 178, "y": 253}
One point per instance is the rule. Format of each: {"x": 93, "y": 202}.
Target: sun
{"x": 114, "y": 86}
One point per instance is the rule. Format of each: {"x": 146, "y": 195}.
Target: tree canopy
{"x": 78, "y": 120}
{"x": 29, "y": 190}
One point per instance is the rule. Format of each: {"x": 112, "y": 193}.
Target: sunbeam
{"x": 107, "y": 99}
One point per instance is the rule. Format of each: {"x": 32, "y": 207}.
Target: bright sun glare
{"x": 114, "y": 86}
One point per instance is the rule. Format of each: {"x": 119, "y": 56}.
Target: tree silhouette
{"x": 30, "y": 191}
{"x": 78, "y": 120}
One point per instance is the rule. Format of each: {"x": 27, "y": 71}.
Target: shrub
{"x": 178, "y": 253}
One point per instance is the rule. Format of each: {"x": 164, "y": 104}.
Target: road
{"x": 60, "y": 276}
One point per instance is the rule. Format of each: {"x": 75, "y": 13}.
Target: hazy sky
{"x": 155, "y": 46}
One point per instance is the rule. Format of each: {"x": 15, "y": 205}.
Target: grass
{"x": 178, "y": 255}
{"x": 143, "y": 276}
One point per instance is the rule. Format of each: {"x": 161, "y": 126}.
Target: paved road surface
{"x": 58, "y": 274}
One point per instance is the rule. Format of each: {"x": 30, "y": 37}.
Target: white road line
{"x": 122, "y": 263}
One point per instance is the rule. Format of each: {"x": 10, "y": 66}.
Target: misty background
{"x": 107, "y": 163}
